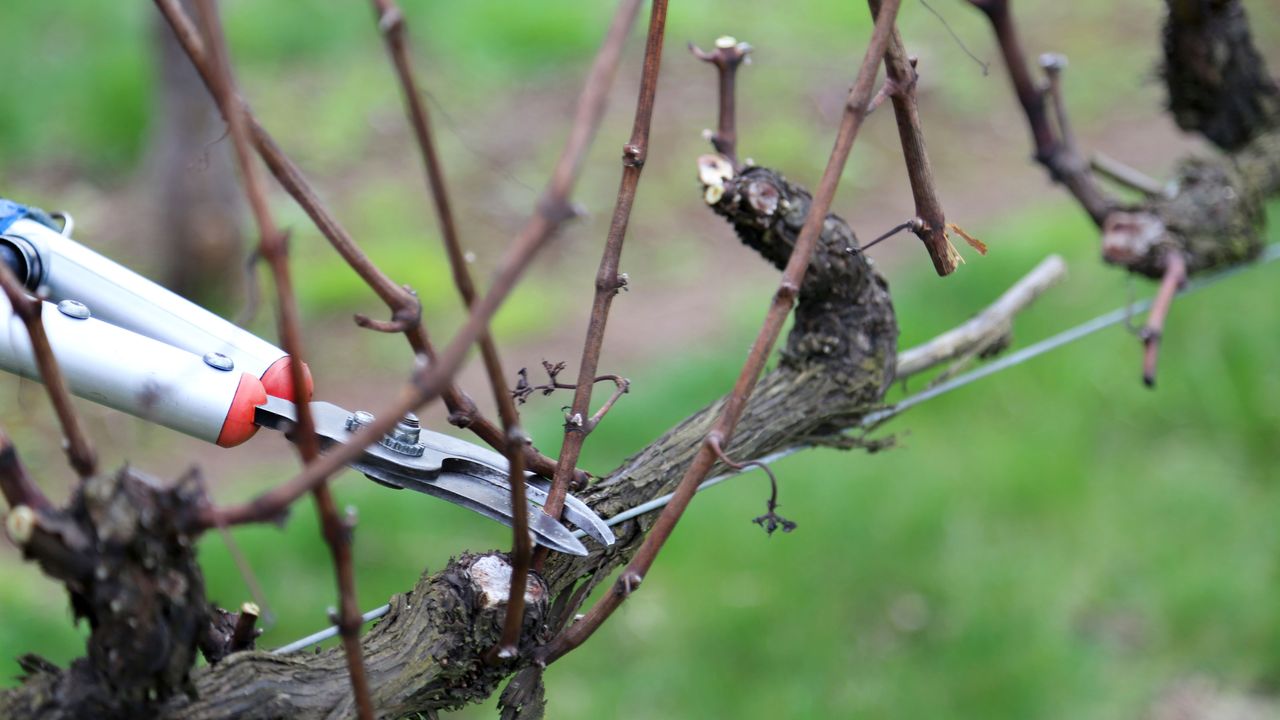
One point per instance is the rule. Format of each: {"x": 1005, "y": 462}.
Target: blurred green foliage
{"x": 1056, "y": 541}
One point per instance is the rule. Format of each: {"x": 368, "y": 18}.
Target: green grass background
{"x": 1053, "y": 542}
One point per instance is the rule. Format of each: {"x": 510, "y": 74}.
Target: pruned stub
{"x": 1212, "y": 217}
{"x": 491, "y": 577}
{"x": 844, "y": 319}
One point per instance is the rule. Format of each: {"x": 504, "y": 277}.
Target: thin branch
{"x": 16, "y": 485}
{"x": 900, "y": 72}
{"x": 1175, "y": 275}
{"x": 988, "y": 326}
{"x": 79, "y": 451}
{"x": 792, "y": 276}
{"x": 272, "y": 248}
{"x": 554, "y": 203}
{"x": 523, "y": 389}
{"x": 887, "y": 89}
{"x": 402, "y": 302}
{"x": 1053, "y": 64}
{"x": 727, "y": 56}
{"x": 1064, "y": 164}
{"x": 245, "y": 569}
{"x": 429, "y": 381}
{"x": 608, "y": 281}
{"x": 1129, "y": 177}
{"x": 508, "y": 645}
{"x": 621, "y": 386}
{"x": 392, "y": 25}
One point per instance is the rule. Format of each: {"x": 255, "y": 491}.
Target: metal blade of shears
{"x": 536, "y": 488}
{"x": 479, "y": 497}
{"x": 445, "y": 467}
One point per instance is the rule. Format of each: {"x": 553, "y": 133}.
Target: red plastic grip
{"x": 239, "y": 425}
{"x": 279, "y": 383}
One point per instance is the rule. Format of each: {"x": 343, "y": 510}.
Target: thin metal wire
{"x": 1004, "y": 362}
{"x": 327, "y": 633}
{"x": 1115, "y": 317}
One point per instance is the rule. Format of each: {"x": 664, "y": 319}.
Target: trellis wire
{"x": 1004, "y": 362}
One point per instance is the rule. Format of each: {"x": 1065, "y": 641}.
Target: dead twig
{"x": 523, "y": 389}
{"x": 272, "y": 247}
{"x": 621, "y": 386}
{"x": 783, "y": 300}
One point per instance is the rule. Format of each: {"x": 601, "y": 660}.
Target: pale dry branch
{"x": 988, "y": 327}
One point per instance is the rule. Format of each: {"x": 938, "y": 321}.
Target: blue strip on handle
{"x": 11, "y": 212}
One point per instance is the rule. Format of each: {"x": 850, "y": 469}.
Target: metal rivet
{"x": 359, "y": 419}
{"x": 218, "y": 361}
{"x": 74, "y": 309}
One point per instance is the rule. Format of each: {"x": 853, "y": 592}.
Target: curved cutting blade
{"x": 482, "y": 498}
{"x": 536, "y": 487}
{"x": 451, "y": 469}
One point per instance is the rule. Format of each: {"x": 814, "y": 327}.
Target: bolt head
{"x": 359, "y": 419}
{"x": 218, "y": 361}
{"x": 74, "y": 309}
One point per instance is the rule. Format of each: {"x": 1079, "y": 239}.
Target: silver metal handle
{"x": 121, "y": 369}
{"x": 118, "y": 295}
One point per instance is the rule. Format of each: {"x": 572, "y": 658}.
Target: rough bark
{"x": 131, "y": 572}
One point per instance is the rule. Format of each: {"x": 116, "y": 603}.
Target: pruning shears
{"x": 130, "y": 344}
